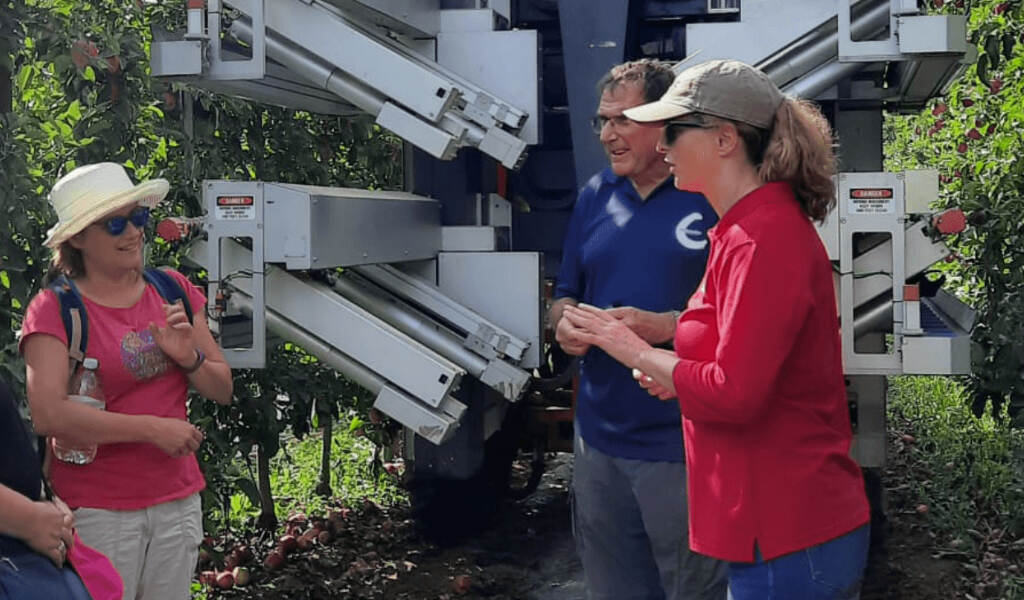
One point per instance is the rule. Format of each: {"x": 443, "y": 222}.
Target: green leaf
{"x": 88, "y": 74}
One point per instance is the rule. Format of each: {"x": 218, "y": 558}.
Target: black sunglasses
{"x": 115, "y": 226}
{"x": 673, "y": 129}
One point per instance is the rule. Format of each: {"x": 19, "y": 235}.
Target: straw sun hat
{"x": 84, "y": 195}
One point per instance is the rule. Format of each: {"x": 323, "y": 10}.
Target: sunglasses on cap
{"x": 116, "y": 225}
{"x": 673, "y": 129}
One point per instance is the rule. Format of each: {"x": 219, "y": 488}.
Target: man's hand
{"x": 652, "y": 327}
{"x": 567, "y": 336}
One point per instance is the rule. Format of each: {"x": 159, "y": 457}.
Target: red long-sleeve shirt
{"x": 761, "y": 390}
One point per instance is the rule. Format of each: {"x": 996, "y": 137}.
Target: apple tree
{"x": 80, "y": 91}
{"x": 972, "y": 136}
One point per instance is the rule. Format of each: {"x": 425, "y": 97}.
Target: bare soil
{"x": 529, "y": 554}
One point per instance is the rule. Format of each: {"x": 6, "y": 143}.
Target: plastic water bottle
{"x": 84, "y": 388}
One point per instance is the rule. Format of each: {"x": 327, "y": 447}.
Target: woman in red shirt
{"x": 757, "y": 366}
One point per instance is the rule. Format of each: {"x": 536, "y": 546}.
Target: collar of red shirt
{"x": 772, "y": 191}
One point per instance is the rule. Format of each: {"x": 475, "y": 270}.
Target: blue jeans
{"x": 31, "y": 576}
{"x": 828, "y": 571}
{"x": 629, "y": 521}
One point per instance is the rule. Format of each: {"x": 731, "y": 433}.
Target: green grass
{"x": 295, "y": 473}
{"x": 969, "y": 472}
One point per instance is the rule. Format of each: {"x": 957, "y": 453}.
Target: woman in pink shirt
{"x": 138, "y": 500}
{"x": 757, "y": 366}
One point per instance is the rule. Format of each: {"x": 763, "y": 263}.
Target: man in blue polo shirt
{"x": 638, "y": 245}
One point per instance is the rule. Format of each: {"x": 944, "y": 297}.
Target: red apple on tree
{"x": 82, "y": 51}
{"x": 114, "y": 64}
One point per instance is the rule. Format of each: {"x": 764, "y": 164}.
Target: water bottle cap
{"x": 91, "y": 363}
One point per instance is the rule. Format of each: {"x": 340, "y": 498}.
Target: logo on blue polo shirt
{"x": 691, "y": 239}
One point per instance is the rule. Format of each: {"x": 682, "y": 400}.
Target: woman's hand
{"x": 175, "y": 437}
{"x": 599, "y": 328}
{"x": 177, "y": 337}
{"x": 50, "y": 530}
{"x": 652, "y": 327}
{"x": 653, "y": 387}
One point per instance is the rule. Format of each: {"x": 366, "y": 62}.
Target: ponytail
{"x": 800, "y": 152}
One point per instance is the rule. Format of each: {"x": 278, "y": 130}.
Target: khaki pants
{"x": 631, "y": 530}
{"x": 154, "y": 549}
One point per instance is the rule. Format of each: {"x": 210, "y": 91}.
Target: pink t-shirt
{"x": 137, "y": 379}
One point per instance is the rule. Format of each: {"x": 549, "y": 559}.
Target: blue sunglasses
{"x": 115, "y": 226}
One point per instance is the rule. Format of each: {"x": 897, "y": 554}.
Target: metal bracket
{"x": 868, "y": 212}
{"x": 253, "y": 68}
{"x": 240, "y": 217}
{"x": 870, "y": 51}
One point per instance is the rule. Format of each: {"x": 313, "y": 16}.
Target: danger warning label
{"x": 235, "y": 208}
{"x": 871, "y": 201}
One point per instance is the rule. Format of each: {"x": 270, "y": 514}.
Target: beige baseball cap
{"x": 723, "y": 88}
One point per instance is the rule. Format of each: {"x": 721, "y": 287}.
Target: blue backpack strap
{"x": 168, "y": 288}
{"x": 72, "y": 313}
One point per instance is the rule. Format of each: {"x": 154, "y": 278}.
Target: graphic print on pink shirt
{"x": 141, "y": 356}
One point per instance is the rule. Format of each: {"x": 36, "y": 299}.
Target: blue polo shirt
{"x": 621, "y": 250}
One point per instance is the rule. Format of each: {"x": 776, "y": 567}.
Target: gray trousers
{"x": 629, "y": 522}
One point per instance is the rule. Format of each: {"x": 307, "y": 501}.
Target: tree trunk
{"x": 324, "y": 487}
{"x": 6, "y": 83}
{"x": 268, "y": 518}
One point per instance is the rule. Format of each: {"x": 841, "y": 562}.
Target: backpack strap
{"x": 168, "y": 288}
{"x": 72, "y": 313}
